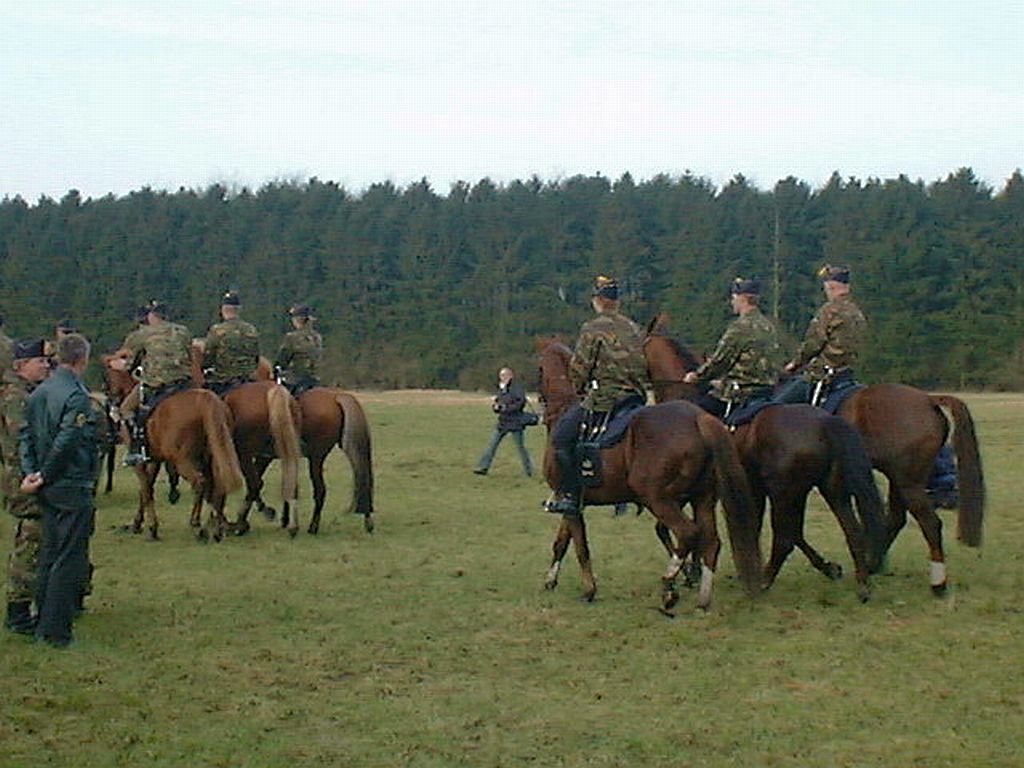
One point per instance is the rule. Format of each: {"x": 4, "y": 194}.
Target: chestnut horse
{"x": 190, "y": 431}
{"x": 787, "y": 451}
{"x": 266, "y": 426}
{"x": 672, "y": 454}
{"x": 118, "y": 384}
{"x": 903, "y": 429}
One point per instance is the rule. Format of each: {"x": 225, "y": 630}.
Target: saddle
{"x": 832, "y": 391}
{"x": 600, "y": 431}
{"x": 746, "y": 413}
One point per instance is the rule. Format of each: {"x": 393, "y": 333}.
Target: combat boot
{"x": 136, "y": 446}
{"x": 19, "y": 618}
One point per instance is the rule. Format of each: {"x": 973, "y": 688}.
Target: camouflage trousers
{"x": 23, "y": 562}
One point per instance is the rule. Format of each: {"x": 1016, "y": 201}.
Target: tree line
{"x": 417, "y": 288}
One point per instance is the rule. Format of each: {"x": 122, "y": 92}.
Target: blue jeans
{"x": 492, "y": 448}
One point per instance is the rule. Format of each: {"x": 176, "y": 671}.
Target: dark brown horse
{"x": 190, "y": 431}
{"x": 267, "y": 424}
{"x": 672, "y": 454}
{"x": 903, "y": 429}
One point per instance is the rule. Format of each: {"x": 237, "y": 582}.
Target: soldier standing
{"x": 160, "y": 349}
{"x": 299, "y": 355}
{"x": 59, "y": 460}
{"x": 832, "y": 344}
{"x": 232, "y": 348}
{"x": 746, "y": 356}
{"x": 29, "y": 368}
{"x": 608, "y": 365}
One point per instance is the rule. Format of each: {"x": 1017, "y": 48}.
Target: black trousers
{"x": 63, "y": 566}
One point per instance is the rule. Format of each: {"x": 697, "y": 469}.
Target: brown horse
{"x": 190, "y": 431}
{"x": 672, "y": 454}
{"x": 117, "y": 386}
{"x": 902, "y": 429}
{"x": 267, "y": 423}
{"x": 788, "y": 450}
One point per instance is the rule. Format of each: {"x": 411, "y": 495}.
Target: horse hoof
{"x": 240, "y": 529}
{"x": 293, "y": 532}
{"x": 864, "y": 595}
{"x": 153, "y": 534}
{"x": 202, "y": 536}
{"x": 587, "y": 597}
{"x": 669, "y": 599}
{"x": 173, "y": 495}
{"x": 833, "y": 571}
{"x": 368, "y": 524}
{"x": 285, "y": 519}
{"x": 313, "y": 530}
{"x": 269, "y": 513}
{"x": 940, "y": 590}
{"x": 550, "y": 584}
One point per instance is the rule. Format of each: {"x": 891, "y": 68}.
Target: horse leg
{"x": 173, "y": 479}
{"x": 558, "y": 549}
{"x": 111, "y": 462}
{"x": 839, "y": 502}
{"x": 578, "y": 532}
{"x": 147, "y": 507}
{"x": 787, "y": 510}
{"x": 253, "y": 485}
{"x": 687, "y": 535}
{"x": 931, "y": 527}
{"x": 316, "y": 477}
{"x": 709, "y": 543}
{"x": 897, "y": 517}
{"x": 261, "y": 464}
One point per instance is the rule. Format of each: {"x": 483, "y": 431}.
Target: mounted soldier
{"x": 158, "y": 355}
{"x": 301, "y": 350}
{"x": 609, "y": 368}
{"x": 231, "y": 350}
{"x": 745, "y": 358}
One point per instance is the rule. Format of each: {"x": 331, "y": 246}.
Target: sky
{"x": 112, "y": 96}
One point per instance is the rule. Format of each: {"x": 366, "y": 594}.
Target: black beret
{"x": 25, "y": 349}
{"x": 231, "y": 299}
{"x": 745, "y": 285}
{"x": 157, "y": 308}
{"x": 606, "y": 287}
{"x": 141, "y": 313}
{"x": 66, "y": 325}
{"x": 301, "y": 310}
{"x": 838, "y": 274}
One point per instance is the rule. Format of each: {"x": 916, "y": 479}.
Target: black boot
{"x": 136, "y": 445}
{"x": 19, "y": 618}
{"x": 567, "y": 498}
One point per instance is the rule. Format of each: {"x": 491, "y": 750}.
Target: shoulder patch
{"x": 81, "y": 420}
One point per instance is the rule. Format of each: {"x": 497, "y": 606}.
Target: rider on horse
{"x": 300, "y": 352}
{"x": 608, "y": 366}
{"x": 745, "y": 358}
{"x": 159, "y": 351}
{"x": 231, "y": 349}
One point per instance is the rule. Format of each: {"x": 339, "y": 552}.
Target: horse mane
{"x": 658, "y": 328}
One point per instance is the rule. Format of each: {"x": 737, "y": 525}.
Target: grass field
{"x": 432, "y": 643}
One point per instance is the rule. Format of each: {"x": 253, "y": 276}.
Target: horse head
{"x": 556, "y": 391}
{"x": 118, "y": 378}
{"x": 668, "y": 361}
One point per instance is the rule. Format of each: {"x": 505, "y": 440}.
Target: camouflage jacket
{"x": 6, "y": 352}
{"x": 608, "y": 363}
{"x": 14, "y": 392}
{"x": 746, "y": 358}
{"x": 232, "y": 351}
{"x": 163, "y": 352}
{"x": 299, "y": 355}
{"x": 834, "y": 338}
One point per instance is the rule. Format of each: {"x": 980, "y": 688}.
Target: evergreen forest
{"x": 419, "y": 288}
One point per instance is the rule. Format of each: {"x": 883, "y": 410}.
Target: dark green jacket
{"x": 58, "y": 439}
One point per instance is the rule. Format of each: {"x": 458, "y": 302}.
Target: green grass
{"x": 432, "y": 643}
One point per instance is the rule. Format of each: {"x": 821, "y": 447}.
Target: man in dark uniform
{"x": 29, "y": 368}
{"x": 59, "y": 460}
{"x": 508, "y": 403}
{"x": 746, "y": 356}
{"x": 608, "y": 366}
{"x": 161, "y": 351}
{"x": 231, "y": 351}
{"x": 299, "y": 355}
{"x": 833, "y": 342}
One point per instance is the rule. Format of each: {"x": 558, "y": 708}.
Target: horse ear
{"x": 658, "y": 323}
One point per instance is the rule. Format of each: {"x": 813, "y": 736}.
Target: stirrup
{"x": 134, "y": 459}
{"x": 563, "y": 504}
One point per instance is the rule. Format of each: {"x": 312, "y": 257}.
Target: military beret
{"x": 837, "y": 274}
{"x": 141, "y": 313}
{"x": 745, "y": 285}
{"x": 300, "y": 310}
{"x": 231, "y": 299}
{"x": 606, "y": 287}
{"x": 26, "y": 349}
{"x": 64, "y": 324}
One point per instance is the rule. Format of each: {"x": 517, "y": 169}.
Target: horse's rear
{"x": 903, "y": 429}
{"x": 334, "y": 417}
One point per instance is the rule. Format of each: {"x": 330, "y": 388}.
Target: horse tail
{"x": 286, "y": 439}
{"x": 227, "y": 472}
{"x": 734, "y": 492}
{"x": 355, "y": 442}
{"x": 859, "y": 481}
{"x": 971, "y": 479}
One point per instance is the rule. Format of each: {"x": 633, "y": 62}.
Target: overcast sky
{"x": 110, "y": 96}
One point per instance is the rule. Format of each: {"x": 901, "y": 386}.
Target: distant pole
{"x": 776, "y": 265}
